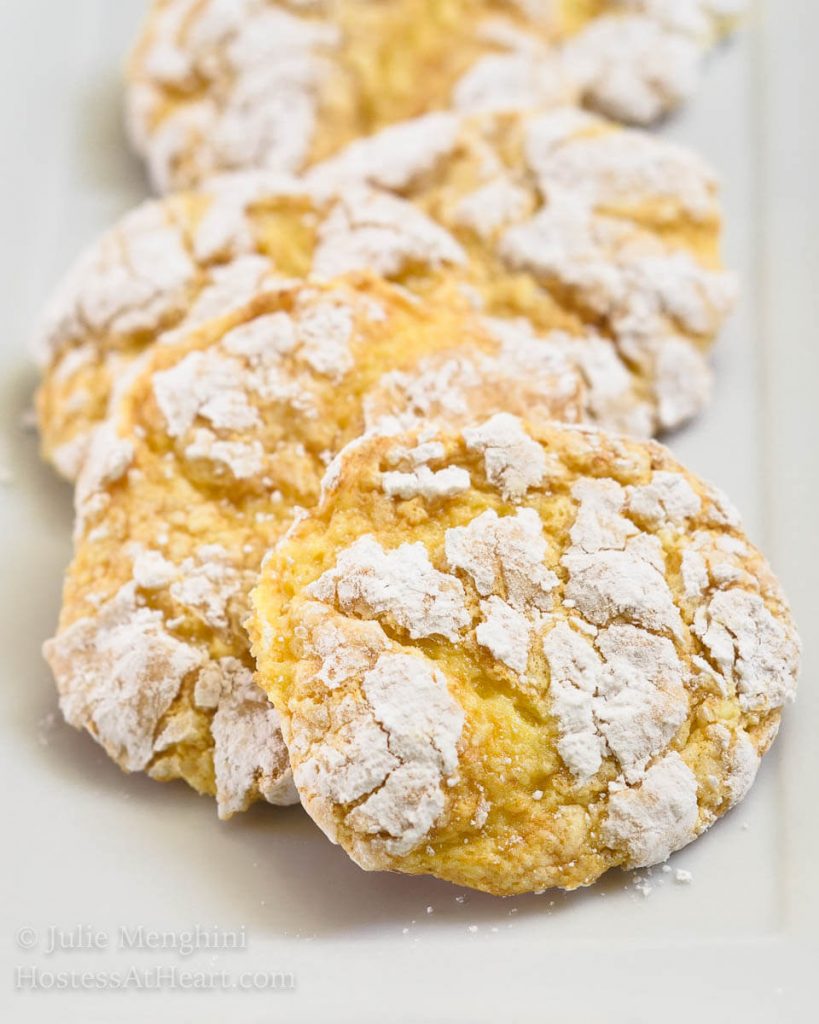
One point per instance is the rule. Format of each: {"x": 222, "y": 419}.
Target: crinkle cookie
{"x": 573, "y": 223}
{"x": 218, "y": 85}
{"x": 609, "y": 236}
{"x": 218, "y": 438}
{"x": 175, "y": 263}
{"x": 515, "y": 657}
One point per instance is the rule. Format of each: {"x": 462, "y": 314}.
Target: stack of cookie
{"x": 367, "y": 510}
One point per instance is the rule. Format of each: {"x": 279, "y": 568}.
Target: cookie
{"x": 571, "y": 223}
{"x": 572, "y": 660}
{"x": 218, "y": 438}
{"x": 222, "y": 85}
{"x": 635, "y": 280}
{"x": 170, "y": 265}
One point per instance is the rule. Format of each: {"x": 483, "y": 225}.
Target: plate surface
{"x": 122, "y": 866}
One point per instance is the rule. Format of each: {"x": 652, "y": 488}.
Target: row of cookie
{"x": 603, "y": 241}
{"x": 505, "y": 652}
{"x": 225, "y": 85}
{"x": 207, "y": 359}
{"x": 606, "y": 320}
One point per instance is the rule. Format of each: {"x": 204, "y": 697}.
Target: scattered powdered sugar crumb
{"x": 45, "y": 728}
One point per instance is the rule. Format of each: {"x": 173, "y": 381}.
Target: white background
{"x": 82, "y": 844}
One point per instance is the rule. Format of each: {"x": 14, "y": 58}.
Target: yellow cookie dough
{"x": 569, "y": 659}
{"x": 217, "y": 85}
{"x": 216, "y": 440}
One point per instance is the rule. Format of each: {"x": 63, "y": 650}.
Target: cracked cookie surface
{"x": 571, "y": 223}
{"x": 220, "y": 85}
{"x": 172, "y": 264}
{"x": 218, "y": 438}
{"x": 517, "y": 656}
{"x": 600, "y": 240}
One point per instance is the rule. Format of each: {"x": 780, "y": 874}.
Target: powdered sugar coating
{"x": 400, "y": 584}
{"x": 620, "y": 694}
{"x": 424, "y": 483}
{"x": 528, "y": 375}
{"x": 611, "y": 711}
{"x": 272, "y": 60}
{"x": 614, "y": 570}
{"x": 248, "y": 749}
{"x": 396, "y": 748}
{"x": 657, "y": 817}
{"x": 635, "y": 61}
{"x": 504, "y": 554}
{"x": 513, "y": 462}
{"x": 120, "y": 672}
{"x": 378, "y": 232}
{"x": 506, "y": 633}
{"x": 745, "y": 641}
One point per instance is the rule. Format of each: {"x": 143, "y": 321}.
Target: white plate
{"x": 84, "y": 845}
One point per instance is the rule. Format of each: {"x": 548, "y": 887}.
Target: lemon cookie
{"x": 218, "y": 85}
{"x": 572, "y": 660}
{"x": 217, "y": 439}
{"x": 573, "y": 223}
{"x": 609, "y": 236}
{"x": 171, "y": 264}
